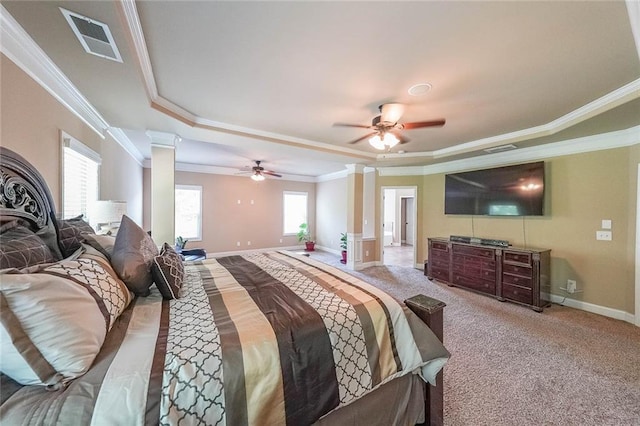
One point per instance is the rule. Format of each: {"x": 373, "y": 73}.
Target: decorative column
{"x": 163, "y": 157}
{"x": 355, "y": 191}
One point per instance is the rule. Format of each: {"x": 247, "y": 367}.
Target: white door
{"x": 409, "y": 221}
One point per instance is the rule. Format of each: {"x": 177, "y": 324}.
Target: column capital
{"x": 163, "y": 139}
{"x": 355, "y": 168}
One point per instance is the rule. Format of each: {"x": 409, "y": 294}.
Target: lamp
{"x": 106, "y": 215}
{"x": 257, "y": 176}
{"x": 388, "y": 141}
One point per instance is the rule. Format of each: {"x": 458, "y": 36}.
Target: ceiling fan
{"x": 386, "y": 129}
{"x": 258, "y": 172}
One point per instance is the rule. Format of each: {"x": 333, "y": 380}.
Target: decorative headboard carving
{"x": 23, "y": 192}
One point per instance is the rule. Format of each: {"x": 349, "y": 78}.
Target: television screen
{"x": 504, "y": 191}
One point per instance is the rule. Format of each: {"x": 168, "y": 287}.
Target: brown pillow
{"x": 168, "y": 272}
{"x": 20, "y": 247}
{"x": 132, "y": 256}
{"x": 70, "y": 234}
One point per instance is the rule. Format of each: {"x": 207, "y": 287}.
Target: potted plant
{"x": 180, "y": 243}
{"x": 343, "y": 246}
{"x": 305, "y": 235}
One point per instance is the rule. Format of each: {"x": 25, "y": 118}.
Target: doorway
{"x": 398, "y": 223}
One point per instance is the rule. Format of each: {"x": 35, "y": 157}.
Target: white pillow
{"x": 54, "y": 320}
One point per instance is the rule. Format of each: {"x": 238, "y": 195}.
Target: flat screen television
{"x": 503, "y": 191}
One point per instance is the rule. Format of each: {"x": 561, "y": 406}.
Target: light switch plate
{"x": 606, "y": 223}
{"x": 603, "y": 235}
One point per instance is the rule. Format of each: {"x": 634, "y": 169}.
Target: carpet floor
{"x": 513, "y": 366}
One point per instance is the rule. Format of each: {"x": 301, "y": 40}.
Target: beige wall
{"x": 331, "y": 212}
{"x": 580, "y": 191}
{"x": 30, "y": 125}
{"x": 225, "y": 222}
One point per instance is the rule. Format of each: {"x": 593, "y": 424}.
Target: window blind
{"x": 80, "y": 178}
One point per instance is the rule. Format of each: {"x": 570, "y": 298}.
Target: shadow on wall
{"x": 561, "y": 271}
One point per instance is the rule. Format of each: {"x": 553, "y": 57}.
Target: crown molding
{"x": 333, "y": 176}
{"x": 19, "y": 47}
{"x": 123, "y": 140}
{"x": 229, "y": 171}
{"x": 633, "y": 10}
{"x": 603, "y": 141}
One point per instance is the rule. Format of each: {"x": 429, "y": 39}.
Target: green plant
{"x": 303, "y": 233}
{"x": 343, "y": 240}
{"x": 181, "y": 242}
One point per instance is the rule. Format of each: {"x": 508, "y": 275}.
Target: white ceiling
{"x": 242, "y": 81}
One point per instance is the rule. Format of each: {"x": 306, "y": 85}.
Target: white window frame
{"x": 78, "y": 148}
{"x": 284, "y": 212}
{"x": 190, "y": 188}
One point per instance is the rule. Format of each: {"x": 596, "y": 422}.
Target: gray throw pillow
{"x": 168, "y": 272}
{"x": 20, "y": 247}
{"x": 133, "y": 254}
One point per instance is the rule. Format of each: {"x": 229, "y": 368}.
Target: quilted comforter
{"x": 265, "y": 338}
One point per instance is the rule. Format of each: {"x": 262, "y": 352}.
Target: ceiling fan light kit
{"x": 257, "y": 176}
{"x": 386, "y": 130}
{"x": 258, "y": 172}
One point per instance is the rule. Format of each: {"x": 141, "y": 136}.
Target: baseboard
{"x": 329, "y": 250}
{"x": 590, "y": 307}
{"x": 231, "y": 253}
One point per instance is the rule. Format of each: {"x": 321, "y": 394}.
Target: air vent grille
{"x": 500, "y": 148}
{"x": 94, "y": 36}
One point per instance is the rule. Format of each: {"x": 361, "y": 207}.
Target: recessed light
{"x": 419, "y": 89}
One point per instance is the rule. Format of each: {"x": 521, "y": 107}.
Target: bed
{"x": 104, "y": 330}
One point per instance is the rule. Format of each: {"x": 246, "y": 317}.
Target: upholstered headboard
{"x": 24, "y": 194}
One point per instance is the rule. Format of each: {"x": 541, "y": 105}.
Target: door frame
{"x": 415, "y": 222}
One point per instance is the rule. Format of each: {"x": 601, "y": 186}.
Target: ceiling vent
{"x": 500, "y": 148}
{"x": 94, "y": 36}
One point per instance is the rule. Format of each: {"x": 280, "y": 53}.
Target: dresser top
{"x": 510, "y": 248}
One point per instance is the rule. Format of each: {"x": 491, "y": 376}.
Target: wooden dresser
{"x": 506, "y": 273}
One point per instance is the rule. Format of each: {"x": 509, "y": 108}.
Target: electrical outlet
{"x": 366, "y": 253}
{"x": 571, "y": 286}
{"x": 238, "y": 244}
{"x": 248, "y": 243}
{"x": 603, "y": 235}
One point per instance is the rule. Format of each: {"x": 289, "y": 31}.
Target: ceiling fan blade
{"x": 270, "y": 173}
{"x": 351, "y": 125}
{"x": 363, "y": 137}
{"x": 419, "y": 124}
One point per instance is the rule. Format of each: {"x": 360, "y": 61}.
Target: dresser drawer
{"x": 517, "y": 280}
{"x": 439, "y": 254}
{"x": 523, "y": 271}
{"x": 439, "y": 263}
{"x": 475, "y": 251}
{"x": 475, "y": 283}
{"x": 488, "y": 265}
{"x": 516, "y": 257}
{"x": 440, "y": 273}
{"x": 437, "y": 245}
{"x": 519, "y": 294}
{"x": 488, "y": 274}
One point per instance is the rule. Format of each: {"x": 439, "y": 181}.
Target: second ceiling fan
{"x": 386, "y": 128}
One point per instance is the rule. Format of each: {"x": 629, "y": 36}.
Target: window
{"x": 295, "y": 211}
{"x": 189, "y": 212}
{"x": 80, "y": 177}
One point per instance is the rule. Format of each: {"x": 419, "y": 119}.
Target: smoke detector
{"x": 93, "y": 35}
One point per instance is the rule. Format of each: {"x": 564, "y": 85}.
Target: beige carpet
{"x": 513, "y": 366}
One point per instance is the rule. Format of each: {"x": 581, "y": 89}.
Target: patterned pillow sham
{"x": 168, "y": 272}
{"x": 132, "y": 256}
{"x": 71, "y": 234}
{"x": 20, "y": 247}
{"x": 55, "y": 319}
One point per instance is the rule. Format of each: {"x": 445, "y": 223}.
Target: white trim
{"x": 198, "y": 188}
{"x": 590, "y": 307}
{"x": 163, "y": 139}
{"x": 637, "y": 254}
{"x": 603, "y": 141}
{"x": 329, "y": 250}
{"x": 216, "y": 170}
{"x": 633, "y": 9}
{"x": 123, "y": 140}
{"x": 262, "y": 250}
{"x": 332, "y": 176}
{"x": 18, "y": 46}
{"x": 415, "y": 221}
{"x": 69, "y": 141}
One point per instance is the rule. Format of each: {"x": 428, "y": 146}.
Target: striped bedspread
{"x": 259, "y": 339}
